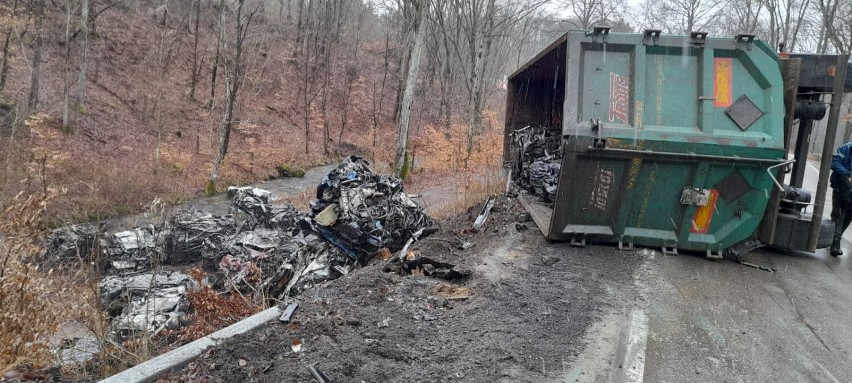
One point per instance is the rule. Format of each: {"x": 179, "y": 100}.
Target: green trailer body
{"x": 668, "y": 141}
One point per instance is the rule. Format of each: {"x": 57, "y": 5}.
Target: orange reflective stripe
{"x": 704, "y": 214}
{"x": 723, "y": 93}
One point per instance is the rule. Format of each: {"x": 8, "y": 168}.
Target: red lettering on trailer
{"x": 619, "y": 97}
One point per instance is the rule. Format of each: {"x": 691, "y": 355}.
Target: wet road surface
{"x": 720, "y": 321}
{"x": 724, "y": 322}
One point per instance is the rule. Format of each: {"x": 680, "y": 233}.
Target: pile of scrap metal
{"x": 361, "y": 212}
{"x": 539, "y": 150}
{"x": 71, "y": 242}
{"x": 272, "y": 250}
{"x": 148, "y": 302}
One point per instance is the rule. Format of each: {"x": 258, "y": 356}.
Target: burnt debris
{"x": 539, "y": 158}
{"x": 145, "y": 303}
{"x": 261, "y": 247}
{"x": 361, "y": 212}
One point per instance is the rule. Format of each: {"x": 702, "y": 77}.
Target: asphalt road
{"x": 720, "y": 321}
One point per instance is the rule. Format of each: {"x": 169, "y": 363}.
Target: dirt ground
{"x": 520, "y": 316}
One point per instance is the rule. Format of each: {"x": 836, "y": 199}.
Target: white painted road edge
{"x": 637, "y": 341}
{"x": 154, "y": 368}
{"x": 813, "y": 167}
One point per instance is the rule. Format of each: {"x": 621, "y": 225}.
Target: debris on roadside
{"x": 252, "y": 201}
{"x": 148, "y": 302}
{"x": 79, "y": 350}
{"x": 288, "y": 312}
{"x": 318, "y": 375}
{"x": 483, "y": 214}
{"x": 539, "y": 151}
{"x": 197, "y": 234}
{"x": 361, "y": 212}
{"x": 432, "y": 268}
{"x": 267, "y": 250}
{"x": 135, "y": 249}
{"x": 71, "y": 242}
{"x": 756, "y": 266}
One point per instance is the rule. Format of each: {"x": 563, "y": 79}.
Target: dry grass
{"x": 472, "y": 190}
{"x": 448, "y": 179}
{"x": 31, "y": 297}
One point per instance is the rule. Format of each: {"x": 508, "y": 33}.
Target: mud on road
{"x": 519, "y": 317}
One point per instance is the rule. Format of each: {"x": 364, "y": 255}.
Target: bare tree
{"x": 66, "y": 88}
{"x": 84, "y": 56}
{"x": 331, "y": 25}
{"x": 4, "y": 66}
{"x": 442, "y": 14}
{"x": 786, "y": 18}
{"x": 379, "y": 91}
{"x": 195, "y": 65}
{"x": 587, "y": 13}
{"x": 683, "y": 16}
{"x": 744, "y": 18}
{"x": 832, "y": 32}
{"x": 400, "y": 160}
{"x": 217, "y": 56}
{"x": 482, "y": 31}
{"x": 38, "y": 14}
{"x": 232, "y": 71}
{"x": 351, "y": 71}
{"x": 164, "y": 58}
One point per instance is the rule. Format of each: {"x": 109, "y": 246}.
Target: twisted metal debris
{"x": 361, "y": 212}
{"x": 260, "y": 247}
{"x": 539, "y": 151}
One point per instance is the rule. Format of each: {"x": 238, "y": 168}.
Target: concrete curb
{"x": 153, "y": 368}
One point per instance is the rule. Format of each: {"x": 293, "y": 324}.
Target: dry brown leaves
{"x": 212, "y": 310}
{"x": 31, "y": 299}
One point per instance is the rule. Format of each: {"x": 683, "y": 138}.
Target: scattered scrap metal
{"x": 260, "y": 247}
{"x": 148, "y": 302}
{"x": 71, "y": 242}
{"x": 483, "y": 214}
{"x": 539, "y": 151}
{"x": 361, "y": 212}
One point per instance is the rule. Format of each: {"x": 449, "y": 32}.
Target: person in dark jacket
{"x": 841, "y": 196}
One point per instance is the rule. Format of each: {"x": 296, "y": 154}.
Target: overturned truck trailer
{"x": 674, "y": 142}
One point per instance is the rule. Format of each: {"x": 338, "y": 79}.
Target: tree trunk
{"x": 446, "y": 85}
{"x": 299, "y": 29}
{"x": 218, "y": 52}
{"x": 351, "y": 76}
{"x": 327, "y": 43}
{"x": 344, "y": 116}
{"x": 400, "y": 163}
{"x": 4, "y": 66}
{"x": 378, "y": 98}
{"x": 66, "y": 83}
{"x": 233, "y": 77}
{"x": 195, "y": 68}
{"x": 325, "y": 125}
{"x": 84, "y": 28}
{"x": 404, "y": 65}
{"x": 32, "y": 99}
{"x": 477, "y": 80}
